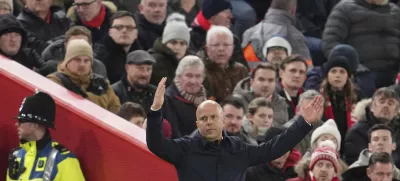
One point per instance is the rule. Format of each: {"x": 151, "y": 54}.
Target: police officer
{"x": 39, "y": 157}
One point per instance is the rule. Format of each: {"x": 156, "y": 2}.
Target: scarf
{"x": 195, "y": 99}
{"x": 96, "y": 21}
{"x": 201, "y": 21}
{"x": 329, "y": 111}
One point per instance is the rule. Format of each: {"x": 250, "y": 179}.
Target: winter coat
{"x": 266, "y": 172}
{"x": 40, "y": 31}
{"x": 198, "y": 41}
{"x": 127, "y": 5}
{"x": 302, "y": 170}
{"x": 243, "y": 91}
{"x": 176, "y": 6}
{"x": 148, "y": 32}
{"x": 291, "y": 104}
{"x": 98, "y": 33}
{"x": 54, "y": 54}
{"x": 358, "y": 170}
{"x": 107, "y": 100}
{"x": 371, "y": 29}
{"x": 196, "y": 159}
{"x": 357, "y": 137}
{"x": 221, "y": 82}
{"x": 276, "y": 22}
{"x": 166, "y": 63}
{"x": 113, "y": 56}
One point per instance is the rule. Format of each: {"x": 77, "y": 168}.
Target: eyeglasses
{"x": 121, "y": 27}
{"x": 84, "y": 4}
{"x": 276, "y": 49}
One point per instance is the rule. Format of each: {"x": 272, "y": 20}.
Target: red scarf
{"x": 48, "y": 17}
{"x": 201, "y": 21}
{"x": 96, "y": 21}
{"x": 329, "y": 111}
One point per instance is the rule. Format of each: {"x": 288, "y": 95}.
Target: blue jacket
{"x": 196, "y": 159}
{"x": 33, "y": 157}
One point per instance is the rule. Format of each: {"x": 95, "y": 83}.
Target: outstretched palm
{"x": 159, "y": 95}
{"x": 313, "y": 111}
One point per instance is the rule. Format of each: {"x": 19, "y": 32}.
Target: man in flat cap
{"x": 39, "y": 157}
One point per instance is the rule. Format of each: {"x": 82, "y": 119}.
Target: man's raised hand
{"x": 313, "y": 112}
{"x": 159, "y": 96}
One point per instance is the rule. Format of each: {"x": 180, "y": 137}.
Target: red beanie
{"x": 325, "y": 153}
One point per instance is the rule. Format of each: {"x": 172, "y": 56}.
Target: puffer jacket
{"x": 107, "y": 100}
{"x": 243, "y": 91}
{"x": 371, "y": 29}
{"x": 221, "y": 82}
{"x": 40, "y": 31}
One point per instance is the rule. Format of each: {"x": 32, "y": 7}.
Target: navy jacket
{"x": 196, "y": 159}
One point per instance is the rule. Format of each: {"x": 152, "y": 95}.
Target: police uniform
{"x": 44, "y": 159}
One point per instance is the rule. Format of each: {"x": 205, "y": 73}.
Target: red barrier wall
{"x": 109, "y": 148}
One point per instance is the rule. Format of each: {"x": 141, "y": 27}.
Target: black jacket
{"x": 148, "y": 32}
{"x": 113, "y": 56}
{"x": 28, "y": 58}
{"x": 198, "y": 41}
{"x": 39, "y": 31}
{"x": 371, "y": 29}
{"x": 196, "y": 159}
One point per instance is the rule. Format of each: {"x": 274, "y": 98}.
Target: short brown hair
{"x": 262, "y": 66}
{"x": 293, "y": 58}
{"x": 78, "y": 30}
{"x": 130, "y": 109}
{"x": 257, "y": 103}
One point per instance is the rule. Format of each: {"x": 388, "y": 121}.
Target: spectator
{"x": 127, "y": 5}
{"x": 151, "y": 21}
{"x": 339, "y": 93}
{"x": 133, "y": 113}
{"x": 259, "y": 119}
{"x": 43, "y": 23}
{"x": 279, "y": 169}
{"x": 121, "y": 39}
{"x": 12, "y": 40}
{"x": 74, "y": 73}
{"x": 380, "y": 139}
{"x": 170, "y": 48}
{"x": 244, "y": 16}
{"x": 362, "y": 24}
{"x": 214, "y": 13}
{"x": 211, "y": 146}
{"x": 6, "y": 7}
{"x": 223, "y": 73}
{"x": 384, "y": 109}
{"x": 134, "y": 86}
{"x": 327, "y": 131}
{"x": 233, "y": 110}
{"x": 380, "y": 167}
{"x": 305, "y": 99}
{"x": 293, "y": 74}
{"x": 95, "y": 15}
{"x": 36, "y": 116}
{"x": 55, "y": 52}
{"x": 185, "y": 94}
{"x": 280, "y": 19}
{"x": 323, "y": 165}
{"x": 189, "y": 8}
{"x": 262, "y": 83}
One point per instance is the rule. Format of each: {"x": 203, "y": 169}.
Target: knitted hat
{"x": 325, "y": 153}
{"x": 38, "y": 108}
{"x": 77, "y": 48}
{"x": 346, "y": 51}
{"x": 9, "y": 3}
{"x": 329, "y": 127}
{"x": 277, "y": 41}
{"x": 337, "y": 61}
{"x": 176, "y": 28}
{"x": 212, "y": 7}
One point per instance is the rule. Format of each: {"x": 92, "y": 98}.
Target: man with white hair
{"x": 185, "y": 94}
{"x": 223, "y": 73}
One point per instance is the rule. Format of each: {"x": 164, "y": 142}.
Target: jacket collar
{"x": 197, "y": 136}
{"x": 35, "y": 146}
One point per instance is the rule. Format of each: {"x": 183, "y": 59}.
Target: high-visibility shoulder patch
{"x": 61, "y": 149}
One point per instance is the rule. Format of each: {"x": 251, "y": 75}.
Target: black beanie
{"x": 338, "y": 61}
{"x": 212, "y": 7}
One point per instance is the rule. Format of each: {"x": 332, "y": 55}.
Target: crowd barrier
{"x": 108, "y": 147}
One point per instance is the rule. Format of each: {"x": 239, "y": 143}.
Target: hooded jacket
{"x": 243, "y": 91}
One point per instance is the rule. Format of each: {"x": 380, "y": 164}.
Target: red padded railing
{"x": 108, "y": 147}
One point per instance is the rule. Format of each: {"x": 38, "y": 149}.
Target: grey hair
{"x": 188, "y": 61}
{"x": 218, "y": 30}
{"x": 308, "y": 95}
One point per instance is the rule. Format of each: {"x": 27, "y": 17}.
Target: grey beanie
{"x": 176, "y": 28}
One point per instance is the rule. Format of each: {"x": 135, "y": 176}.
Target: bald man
{"x": 210, "y": 154}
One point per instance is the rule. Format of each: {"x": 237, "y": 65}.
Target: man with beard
{"x": 233, "y": 111}
{"x": 121, "y": 40}
{"x": 134, "y": 86}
